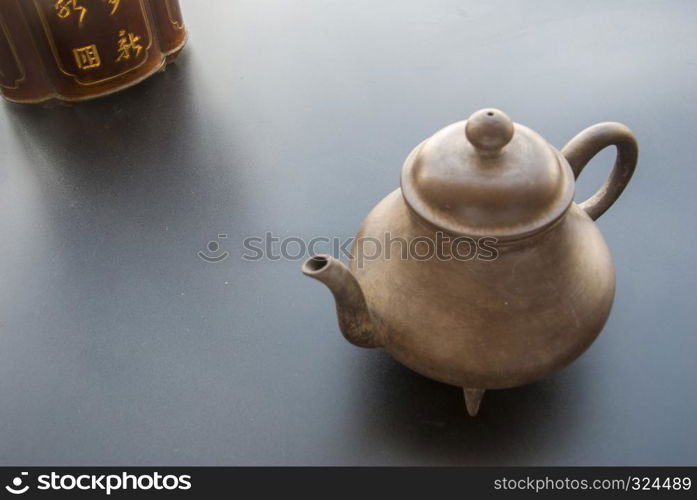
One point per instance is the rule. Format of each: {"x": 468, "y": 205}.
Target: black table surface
{"x": 120, "y": 345}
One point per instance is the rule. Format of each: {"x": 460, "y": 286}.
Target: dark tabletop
{"x": 119, "y": 345}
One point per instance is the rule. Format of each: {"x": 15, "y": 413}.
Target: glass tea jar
{"x": 72, "y": 50}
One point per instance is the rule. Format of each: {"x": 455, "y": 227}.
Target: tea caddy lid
{"x": 488, "y": 176}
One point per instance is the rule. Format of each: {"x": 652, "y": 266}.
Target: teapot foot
{"x": 473, "y": 398}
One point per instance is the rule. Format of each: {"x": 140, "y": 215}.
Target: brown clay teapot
{"x": 529, "y": 305}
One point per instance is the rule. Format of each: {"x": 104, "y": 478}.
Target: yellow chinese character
{"x": 65, "y": 8}
{"x": 128, "y": 45}
{"x": 114, "y": 6}
{"x": 87, "y": 57}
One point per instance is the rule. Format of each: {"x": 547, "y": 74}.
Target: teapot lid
{"x": 488, "y": 176}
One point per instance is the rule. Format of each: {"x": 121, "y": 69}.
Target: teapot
{"x": 541, "y": 285}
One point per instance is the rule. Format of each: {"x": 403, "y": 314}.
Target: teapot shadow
{"x": 112, "y": 131}
{"x": 126, "y": 188}
{"x": 131, "y": 161}
{"x": 428, "y": 422}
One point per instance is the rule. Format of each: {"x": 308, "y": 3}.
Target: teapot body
{"x": 494, "y": 322}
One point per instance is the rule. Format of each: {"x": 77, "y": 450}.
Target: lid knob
{"x": 489, "y": 130}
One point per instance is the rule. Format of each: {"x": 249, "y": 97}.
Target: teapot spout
{"x": 355, "y": 320}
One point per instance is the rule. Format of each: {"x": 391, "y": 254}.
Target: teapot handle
{"x": 590, "y": 142}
